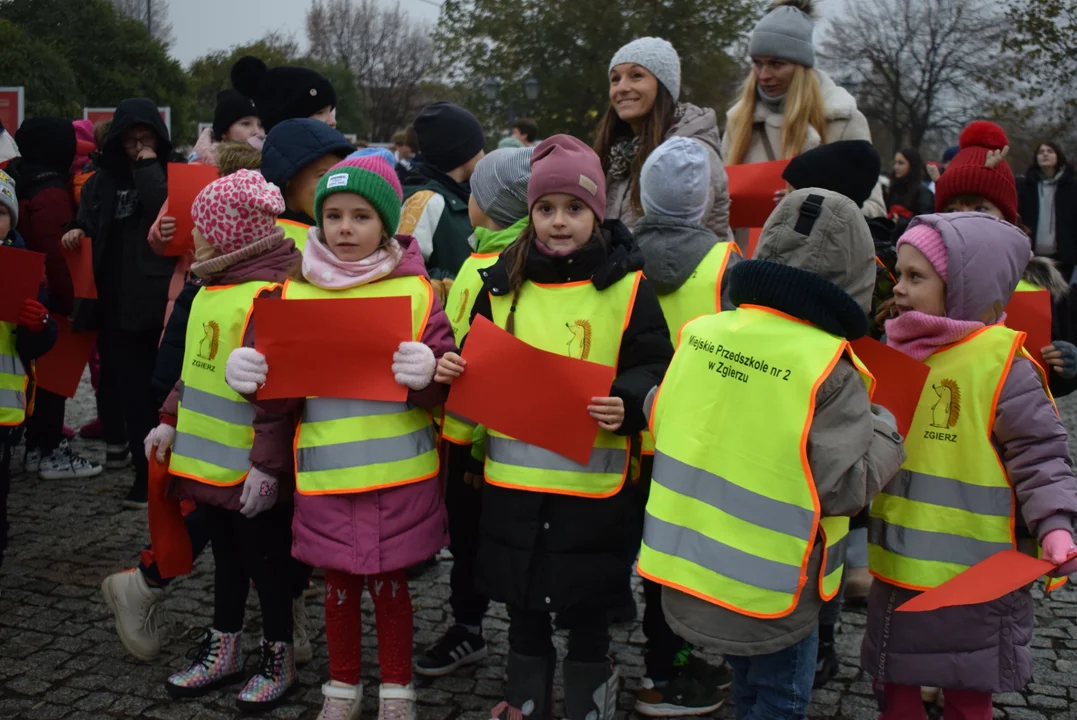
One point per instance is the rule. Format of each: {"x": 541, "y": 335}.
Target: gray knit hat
{"x": 658, "y": 57}
{"x": 499, "y": 184}
{"x": 8, "y": 198}
{"x": 676, "y": 180}
{"x": 785, "y": 32}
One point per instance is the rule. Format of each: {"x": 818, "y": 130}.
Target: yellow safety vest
{"x": 701, "y": 294}
{"x": 1026, "y": 286}
{"x": 350, "y": 446}
{"x": 13, "y": 379}
{"x": 576, "y": 320}
{"x": 214, "y": 426}
{"x": 733, "y": 512}
{"x": 298, "y": 232}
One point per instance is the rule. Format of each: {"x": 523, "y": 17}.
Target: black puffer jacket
{"x": 555, "y": 552}
{"x": 166, "y": 373}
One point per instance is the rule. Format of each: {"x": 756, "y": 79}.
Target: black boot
{"x": 826, "y": 664}
{"x": 590, "y": 690}
{"x": 529, "y": 688}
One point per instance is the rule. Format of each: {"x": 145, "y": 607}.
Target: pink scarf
{"x": 918, "y": 335}
{"x": 322, "y": 268}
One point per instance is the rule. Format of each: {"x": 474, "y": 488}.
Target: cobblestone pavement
{"x": 60, "y": 658}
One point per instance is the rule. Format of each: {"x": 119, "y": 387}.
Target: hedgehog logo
{"x": 946, "y": 411}
{"x": 579, "y": 345}
{"x": 207, "y": 349}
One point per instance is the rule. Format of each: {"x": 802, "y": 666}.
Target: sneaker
{"x": 304, "y": 653}
{"x": 342, "y": 701}
{"x": 457, "y": 647}
{"x": 686, "y": 694}
{"x": 93, "y": 430}
{"x": 31, "y": 461}
{"x": 137, "y": 498}
{"x": 117, "y": 457}
{"x": 274, "y": 680}
{"x": 396, "y": 702}
{"x": 136, "y": 607}
{"x": 826, "y": 665}
{"x": 64, "y": 464}
{"x": 720, "y": 677}
{"x": 218, "y": 661}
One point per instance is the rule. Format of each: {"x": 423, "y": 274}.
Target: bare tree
{"x": 153, "y": 13}
{"x": 917, "y": 66}
{"x": 389, "y": 54}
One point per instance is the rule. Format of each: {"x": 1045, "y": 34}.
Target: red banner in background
{"x": 12, "y": 107}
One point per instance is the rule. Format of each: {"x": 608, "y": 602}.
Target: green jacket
{"x": 435, "y": 212}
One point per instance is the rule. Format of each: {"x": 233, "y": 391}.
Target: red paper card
{"x": 60, "y": 369}
{"x": 1030, "y": 313}
{"x": 550, "y": 392}
{"x": 184, "y": 184}
{"x": 332, "y": 348}
{"x": 753, "y": 242}
{"x": 169, "y": 538}
{"x": 80, "y": 265}
{"x": 751, "y": 192}
{"x": 899, "y": 379}
{"x": 20, "y": 278}
{"x": 998, "y": 575}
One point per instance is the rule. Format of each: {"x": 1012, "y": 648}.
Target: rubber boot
{"x": 529, "y": 688}
{"x": 590, "y": 690}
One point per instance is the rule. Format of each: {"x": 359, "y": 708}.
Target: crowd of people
{"x": 739, "y": 462}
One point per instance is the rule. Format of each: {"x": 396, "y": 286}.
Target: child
{"x": 988, "y": 469}
{"x": 555, "y": 541}
{"x": 689, "y": 268}
{"x": 498, "y": 211}
{"x": 226, "y": 459}
{"x": 362, "y": 518}
{"x": 748, "y": 512}
{"x": 284, "y": 92}
{"x": 20, "y": 343}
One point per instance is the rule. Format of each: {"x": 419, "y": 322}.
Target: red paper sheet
{"x": 753, "y": 242}
{"x": 751, "y": 192}
{"x": 60, "y": 369}
{"x": 169, "y": 538}
{"x": 184, "y": 184}
{"x": 550, "y": 392}
{"x": 332, "y": 348}
{"x": 20, "y": 278}
{"x": 998, "y": 575}
{"x": 899, "y": 379}
{"x": 1030, "y": 313}
{"x": 80, "y": 265}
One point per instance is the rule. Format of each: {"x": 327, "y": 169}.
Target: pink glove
{"x": 1057, "y": 547}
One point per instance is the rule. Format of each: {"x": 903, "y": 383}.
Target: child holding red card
{"x": 368, "y": 504}
{"x": 988, "y": 469}
{"x": 554, "y": 531}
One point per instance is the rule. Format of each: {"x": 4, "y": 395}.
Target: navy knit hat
{"x": 449, "y": 136}
{"x": 294, "y": 144}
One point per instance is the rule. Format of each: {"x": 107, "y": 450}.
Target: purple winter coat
{"x": 983, "y": 647}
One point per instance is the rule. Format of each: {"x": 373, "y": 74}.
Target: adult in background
{"x": 1047, "y": 204}
{"x": 526, "y": 131}
{"x": 644, "y": 111}
{"x": 908, "y": 195}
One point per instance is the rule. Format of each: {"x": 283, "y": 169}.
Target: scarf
{"x": 322, "y": 268}
{"x": 623, "y": 154}
{"x": 919, "y": 335}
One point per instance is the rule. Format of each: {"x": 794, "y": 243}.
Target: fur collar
{"x": 1043, "y": 273}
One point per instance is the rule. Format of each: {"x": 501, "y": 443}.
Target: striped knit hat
{"x": 499, "y": 184}
{"x": 370, "y": 177}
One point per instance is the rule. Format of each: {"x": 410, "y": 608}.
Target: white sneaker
{"x": 342, "y": 702}
{"x": 136, "y": 607}
{"x": 65, "y": 464}
{"x": 31, "y": 461}
{"x": 304, "y": 653}
{"x": 396, "y": 702}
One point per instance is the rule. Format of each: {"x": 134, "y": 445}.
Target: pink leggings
{"x": 903, "y": 702}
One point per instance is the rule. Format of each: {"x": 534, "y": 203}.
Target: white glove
{"x": 259, "y": 493}
{"x": 245, "y": 370}
{"x": 413, "y": 365}
{"x": 161, "y": 437}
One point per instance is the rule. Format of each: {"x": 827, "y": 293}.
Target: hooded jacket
{"x": 702, "y": 126}
{"x": 983, "y": 647}
{"x": 435, "y": 213}
{"x": 119, "y": 204}
{"x": 672, "y": 250}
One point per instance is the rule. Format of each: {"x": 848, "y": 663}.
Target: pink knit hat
{"x": 237, "y": 210}
{"x": 563, "y": 164}
{"x": 929, "y": 241}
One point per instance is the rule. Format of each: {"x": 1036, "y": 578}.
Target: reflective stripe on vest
{"x": 951, "y": 506}
{"x": 214, "y": 426}
{"x": 13, "y": 379}
{"x": 701, "y": 294}
{"x": 351, "y": 446}
{"x": 736, "y": 527}
{"x": 576, "y": 320}
{"x": 297, "y": 232}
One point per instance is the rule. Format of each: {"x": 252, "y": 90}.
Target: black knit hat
{"x": 847, "y": 167}
{"x": 282, "y": 93}
{"x": 231, "y": 107}
{"x": 448, "y": 135}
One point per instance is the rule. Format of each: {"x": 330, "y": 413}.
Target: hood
{"x": 985, "y": 257}
{"x": 293, "y": 144}
{"x": 672, "y": 249}
{"x": 494, "y": 241}
{"x": 136, "y": 111}
{"x": 48, "y": 143}
{"x": 411, "y": 260}
{"x": 837, "y": 102}
{"x": 699, "y": 124}
{"x": 1043, "y": 272}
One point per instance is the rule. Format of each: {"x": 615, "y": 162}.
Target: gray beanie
{"x": 785, "y": 32}
{"x": 499, "y": 184}
{"x": 658, "y": 57}
{"x": 676, "y": 180}
{"x": 8, "y": 198}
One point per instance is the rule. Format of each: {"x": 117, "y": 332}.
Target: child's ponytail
{"x": 515, "y": 256}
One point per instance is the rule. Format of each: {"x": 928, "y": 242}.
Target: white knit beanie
{"x": 675, "y": 180}
{"x": 656, "y": 56}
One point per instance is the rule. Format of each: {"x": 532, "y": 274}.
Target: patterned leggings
{"x": 343, "y": 625}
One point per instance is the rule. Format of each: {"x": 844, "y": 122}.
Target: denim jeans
{"x": 775, "y": 686}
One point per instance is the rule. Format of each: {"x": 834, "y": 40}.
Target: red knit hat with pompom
{"x": 969, "y": 173}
